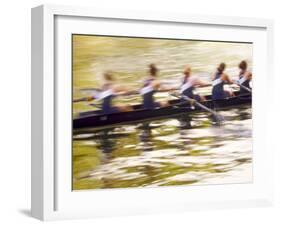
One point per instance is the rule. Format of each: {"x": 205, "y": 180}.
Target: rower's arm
{"x": 167, "y": 89}
{"x": 214, "y": 76}
{"x": 159, "y": 87}
{"x": 249, "y": 75}
{"x": 121, "y": 90}
{"x": 156, "y": 85}
{"x": 201, "y": 83}
{"x": 227, "y": 79}
{"x": 162, "y": 88}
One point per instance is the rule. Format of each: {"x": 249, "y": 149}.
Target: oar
{"x": 125, "y": 93}
{"x": 118, "y": 94}
{"x": 90, "y": 89}
{"x": 136, "y": 92}
{"x": 193, "y": 101}
{"x": 243, "y": 87}
{"x": 81, "y": 99}
{"x": 88, "y": 98}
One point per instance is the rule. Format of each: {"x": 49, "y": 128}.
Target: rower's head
{"x": 187, "y": 71}
{"x": 108, "y": 76}
{"x": 221, "y": 67}
{"x": 153, "y": 70}
{"x": 243, "y": 65}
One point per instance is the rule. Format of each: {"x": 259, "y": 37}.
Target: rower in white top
{"x": 189, "y": 83}
{"x": 109, "y": 90}
{"x": 245, "y": 78}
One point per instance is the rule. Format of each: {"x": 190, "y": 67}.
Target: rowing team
{"x": 189, "y": 83}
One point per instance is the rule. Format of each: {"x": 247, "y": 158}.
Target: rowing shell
{"x": 97, "y": 120}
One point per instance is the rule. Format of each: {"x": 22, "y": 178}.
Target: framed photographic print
{"x": 137, "y": 112}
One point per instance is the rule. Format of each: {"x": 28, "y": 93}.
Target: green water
{"x": 184, "y": 151}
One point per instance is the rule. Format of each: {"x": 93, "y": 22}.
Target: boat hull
{"x": 94, "y": 119}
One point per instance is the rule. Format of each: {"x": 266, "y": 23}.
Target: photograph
{"x": 154, "y": 112}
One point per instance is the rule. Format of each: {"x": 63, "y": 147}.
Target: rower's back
{"x": 187, "y": 87}
{"x": 217, "y": 90}
{"x": 218, "y": 83}
{"x": 244, "y": 77}
{"x": 107, "y": 95}
{"x": 148, "y": 89}
{"x": 245, "y": 82}
{"x": 106, "y": 98}
{"x": 147, "y": 93}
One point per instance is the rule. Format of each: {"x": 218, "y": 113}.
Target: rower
{"x": 220, "y": 78}
{"x": 151, "y": 85}
{"x": 108, "y": 92}
{"x": 245, "y": 77}
{"x": 189, "y": 83}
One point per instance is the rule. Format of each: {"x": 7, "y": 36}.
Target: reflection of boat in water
{"x": 146, "y": 133}
{"x": 107, "y": 139}
{"x": 147, "y": 139}
{"x": 106, "y": 142}
{"x": 96, "y": 120}
{"x": 145, "y": 136}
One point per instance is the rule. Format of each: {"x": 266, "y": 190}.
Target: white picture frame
{"x": 51, "y": 197}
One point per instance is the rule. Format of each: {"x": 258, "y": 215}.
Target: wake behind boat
{"x": 97, "y": 120}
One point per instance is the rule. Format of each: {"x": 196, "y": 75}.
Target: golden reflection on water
{"x": 164, "y": 152}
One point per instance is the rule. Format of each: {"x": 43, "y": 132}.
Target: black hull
{"x": 93, "y": 119}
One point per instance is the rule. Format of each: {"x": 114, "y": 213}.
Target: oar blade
{"x": 219, "y": 119}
